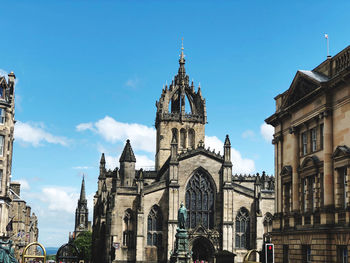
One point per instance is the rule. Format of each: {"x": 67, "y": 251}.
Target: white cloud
{"x": 248, "y": 134}
{"x": 132, "y": 83}
{"x": 84, "y": 126}
{"x": 24, "y": 184}
{"x": 36, "y": 135}
{"x": 82, "y": 167}
{"x": 267, "y": 131}
{"x": 214, "y": 143}
{"x": 240, "y": 164}
{"x": 141, "y": 136}
{"x": 60, "y": 198}
{"x": 4, "y": 74}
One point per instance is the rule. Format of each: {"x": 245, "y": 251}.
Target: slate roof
{"x": 315, "y": 75}
{"x": 128, "y": 153}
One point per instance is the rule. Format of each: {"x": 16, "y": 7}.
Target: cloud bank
{"x": 35, "y": 135}
{"x": 267, "y": 132}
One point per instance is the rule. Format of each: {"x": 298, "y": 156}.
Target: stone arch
{"x": 242, "y": 228}
{"x": 155, "y": 227}
{"x": 200, "y": 200}
{"x": 191, "y": 138}
{"x": 128, "y": 228}
{"x": 183, "y": 138}
{"x": 202, "y": 249}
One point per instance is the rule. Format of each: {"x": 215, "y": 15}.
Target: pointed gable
{"x": 304, "y": 83}
{"x": 128, "y": 153}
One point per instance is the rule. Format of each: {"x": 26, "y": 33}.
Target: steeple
{"x": 182, "y": 71}
{"x": 82, "y": 192}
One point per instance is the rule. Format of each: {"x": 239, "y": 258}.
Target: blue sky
{"x": 89, "y": 73}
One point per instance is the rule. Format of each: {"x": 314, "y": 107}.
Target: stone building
{"x": 135, "y": 211}
{"x": 82, "y": 223}
{"x": 24, "y": 222}
{"x": 7, "y": 112}
{"x": 312, "y": 164}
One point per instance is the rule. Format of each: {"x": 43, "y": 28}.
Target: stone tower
{"x": 7, "y": 122}
{"x": 172, "y": 120}
{"x": 81, "y": 213}
{"x": 127, "y": 165}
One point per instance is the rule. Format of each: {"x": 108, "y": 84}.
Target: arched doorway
{"x": 202, "y": 250}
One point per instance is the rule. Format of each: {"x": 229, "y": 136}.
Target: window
{"x": 0, "y": 182}
{"x": 342, "y": 186}
{"x": 128, "y": 233}
{"x": 313, "y": 139}
{"x": 306, "y": 253}
{"x": 2, "y": 141}
{"x": 304, "y": 140}
{"x": 342, "y": 254}
{"x": 2, "y": 116}
{"x": 321, "y": 136}
{"x": 287, "y": 196}
{"x": 183, "y": 138}
{"x": 191, "y": 138}
{"x": 305, "y": 194}
{"x": 154, "y": 227}
{"x": 200, "y": 201}
{"x": 242, "y": 228}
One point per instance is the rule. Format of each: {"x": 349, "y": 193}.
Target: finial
{"x": 182, "y": 43}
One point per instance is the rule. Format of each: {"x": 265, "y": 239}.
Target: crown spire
{"x": 182, "y": 71}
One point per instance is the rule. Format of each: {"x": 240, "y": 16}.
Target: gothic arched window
{"x": 267, "y": 222}
{"x": 191, "y": 138}
{"x": 154, "y": 227}
{"x": 242, "y": 228}
{"x": 128, "y": 232}
{"x": 183, "y": 138}
{"x": 200, "y": 201}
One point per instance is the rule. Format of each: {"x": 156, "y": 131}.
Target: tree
{"x": 83, "y": 243}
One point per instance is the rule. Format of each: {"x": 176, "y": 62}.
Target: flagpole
{"x": 327, "y": 47}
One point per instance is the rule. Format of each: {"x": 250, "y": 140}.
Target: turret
{"x": 102, "y": 165}
{"x": 127, "y": 165}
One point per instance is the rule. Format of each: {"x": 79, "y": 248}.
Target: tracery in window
{"x": 154, "y": 227}
{"x": 242, "y": 228}
{"x": 200, "y": 201}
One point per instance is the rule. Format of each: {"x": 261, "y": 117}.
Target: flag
{"x": 326, "y": 36}
{"x": 9, "y": 226}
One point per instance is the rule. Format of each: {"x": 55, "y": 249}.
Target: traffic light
{"x": 269, "y": 253}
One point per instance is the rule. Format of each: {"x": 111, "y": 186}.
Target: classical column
{"x": 295, "y": 176}
{"x": 328, "y": 181}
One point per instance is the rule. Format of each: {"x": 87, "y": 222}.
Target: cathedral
{"x": 135, "y": 211}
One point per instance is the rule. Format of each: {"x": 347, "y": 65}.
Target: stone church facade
{"x": 312, "y": 164}
{"x": 135, "y": 211}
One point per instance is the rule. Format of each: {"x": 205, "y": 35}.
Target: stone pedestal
{"x": 181, "y": 252}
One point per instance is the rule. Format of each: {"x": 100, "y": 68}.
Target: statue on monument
{"x": 182, "y": 216}
{"x": 7, "y": 252}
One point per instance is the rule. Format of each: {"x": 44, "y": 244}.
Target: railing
{"x": 342, "y": 61}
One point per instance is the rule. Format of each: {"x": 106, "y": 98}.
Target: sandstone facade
{"x": 135, "y": 211}
{"x": 312, "y": 164}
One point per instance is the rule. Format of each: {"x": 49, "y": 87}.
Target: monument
{"x": 181, "y": 253}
